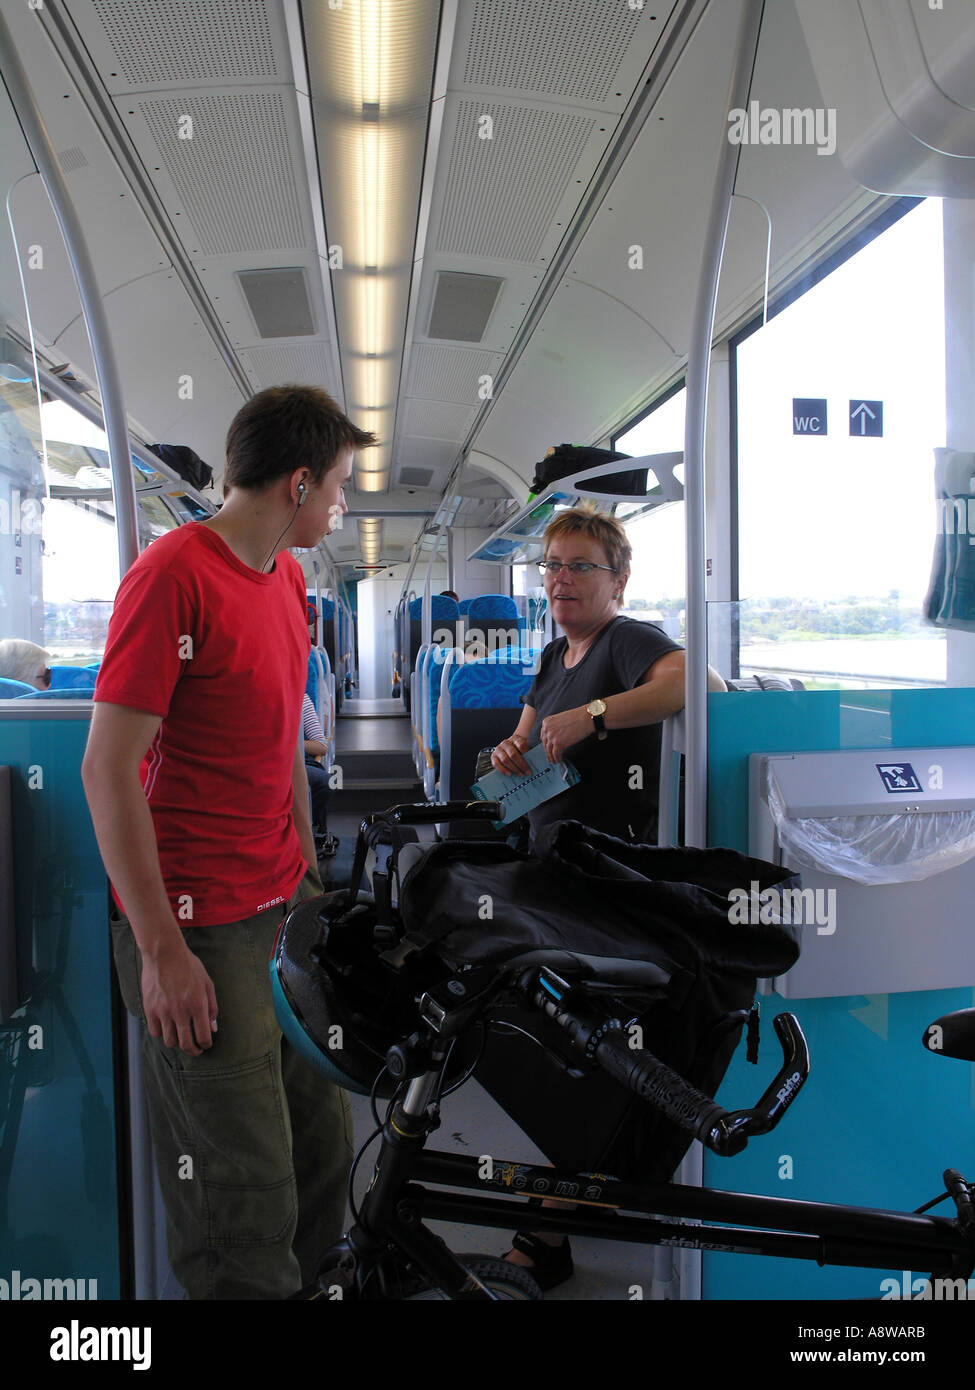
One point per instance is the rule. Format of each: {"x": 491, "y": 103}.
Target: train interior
{"x": 207, "y": 199}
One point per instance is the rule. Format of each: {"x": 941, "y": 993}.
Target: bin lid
{"x": 874, "y": 781}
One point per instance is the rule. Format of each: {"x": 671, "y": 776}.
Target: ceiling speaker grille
{"x": 502, "y": 193}
{"x": 566, "y": 48}
{"x": 158, "y": 42}
{"x": 449, "y": 374}
{"x": 415, "y": 477}
{"x": 425, "y": 453}
{"x": 234, "y": 175}
{"x": 462, "y": 305}
{"x": 278, "y": 300}
{"x": 293, "y": 366}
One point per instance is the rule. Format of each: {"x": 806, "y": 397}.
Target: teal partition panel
{"x": 59, "y": 1223}
{"x": 879, "y": 1118}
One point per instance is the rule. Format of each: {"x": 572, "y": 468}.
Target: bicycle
{"x": 433, "y": 1025}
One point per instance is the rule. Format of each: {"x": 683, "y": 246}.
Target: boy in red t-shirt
{"x": 195, "y": 778}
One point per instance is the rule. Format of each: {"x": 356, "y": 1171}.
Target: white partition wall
{"x": 376, "y": 637}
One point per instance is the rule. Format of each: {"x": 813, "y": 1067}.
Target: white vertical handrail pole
{"x": 110, "y": 388}
{"x": 698, "y": 367}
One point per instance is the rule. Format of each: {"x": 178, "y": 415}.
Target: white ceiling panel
{"x": 502, "y": 192}
{"x": 621, "y": 321}
{"x": 571, "y": 49}
{"x": 437, "y": 419}
{"x": 178, "y": 43}
{"x": 449, "y": 373}
{"x": 171, "y": 377}
{"x": 233, "y": 177}
{"x": 289, "y": 363}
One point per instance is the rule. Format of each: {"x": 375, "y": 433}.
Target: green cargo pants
{"x": 252, "y": 1145}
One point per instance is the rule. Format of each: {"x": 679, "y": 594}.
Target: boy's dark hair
{"x": 284, "y": 428}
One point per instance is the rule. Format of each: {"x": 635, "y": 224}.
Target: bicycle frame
{"x": 397, "y": 1204}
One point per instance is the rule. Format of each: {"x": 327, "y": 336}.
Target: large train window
{"x": 58, "y": 550}
{"x": 655, "y": 592}
{"x": 840, "y": 404}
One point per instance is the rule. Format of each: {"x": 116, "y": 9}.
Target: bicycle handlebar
{"x": 407, "y": 813}
{"x": 724, "y": 1132}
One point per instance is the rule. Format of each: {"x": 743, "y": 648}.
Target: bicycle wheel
{"x": 505, "y": 1280}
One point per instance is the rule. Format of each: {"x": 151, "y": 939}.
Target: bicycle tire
{"x": 509, "y": 1282}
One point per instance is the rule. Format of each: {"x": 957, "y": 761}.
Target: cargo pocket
{"x": 242, "y": 1147}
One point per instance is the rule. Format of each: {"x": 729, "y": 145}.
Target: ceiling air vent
{"x": 415, "y": 477}
{"x": 462, "y": 305}
{"x": 278, "y": 300}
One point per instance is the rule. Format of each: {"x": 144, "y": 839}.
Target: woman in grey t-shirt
{"x": 602, "y": 690}
{"x": 600, "y": 694}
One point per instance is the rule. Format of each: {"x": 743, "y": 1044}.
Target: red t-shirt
{"x": 220, "y": 652}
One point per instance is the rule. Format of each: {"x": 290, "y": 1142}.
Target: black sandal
{"x": 551, "y": 1265}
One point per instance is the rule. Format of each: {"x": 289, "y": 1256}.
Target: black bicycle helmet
{"x": 339, "y": 1005}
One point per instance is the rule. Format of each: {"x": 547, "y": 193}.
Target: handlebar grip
{"x": 662, "y": 1088}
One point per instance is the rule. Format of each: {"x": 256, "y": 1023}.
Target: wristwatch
{"x": 596, "y": 709}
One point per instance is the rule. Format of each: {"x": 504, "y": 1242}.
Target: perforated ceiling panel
{"x": 159, "y": 42}
{"x": 438, "y": 420}
{"x": 278, "y": 366}
{"x": 567, "y": 48}
{"x": 502, "y": 192}
{"x": 449, "y": 374}
{"x": 235, "y": 175}
{"x": 72, "y": 158}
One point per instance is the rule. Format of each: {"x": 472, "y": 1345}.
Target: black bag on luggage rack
{"x": 595, "y": 899}
{"x": 565, "y": 459}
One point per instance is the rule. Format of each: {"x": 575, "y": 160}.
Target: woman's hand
{"x": 561, "y": 731}
{"x": 508, "y": 756}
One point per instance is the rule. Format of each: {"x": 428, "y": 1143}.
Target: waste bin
{"x": 884, "y": 840}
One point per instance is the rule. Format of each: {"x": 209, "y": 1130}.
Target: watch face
{"x": 596, "y": 707}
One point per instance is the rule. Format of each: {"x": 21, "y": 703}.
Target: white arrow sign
{"x": 863, "y": 410}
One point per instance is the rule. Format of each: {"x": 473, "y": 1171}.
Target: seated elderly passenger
{"x": 25, "y": 661}
{"x": 602, "y": 690}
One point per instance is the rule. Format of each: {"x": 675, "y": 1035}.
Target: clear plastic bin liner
{"x": 900, "y": 848}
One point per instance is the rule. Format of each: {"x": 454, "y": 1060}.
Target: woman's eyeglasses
{"x": 575, "y": 567}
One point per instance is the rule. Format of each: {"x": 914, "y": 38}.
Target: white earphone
{"x": 301, "y": 494}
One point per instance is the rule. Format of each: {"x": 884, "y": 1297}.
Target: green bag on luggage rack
{"x": 595, "y": 898}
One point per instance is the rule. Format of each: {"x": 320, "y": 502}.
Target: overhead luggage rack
{"x": 519, "y": 540}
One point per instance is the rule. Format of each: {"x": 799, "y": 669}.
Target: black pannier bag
{"x": 182, "y": 460}
{"x": 564, "y": 460}
{"x": 596, "y": 899}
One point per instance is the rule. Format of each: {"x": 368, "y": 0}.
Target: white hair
{"x": 22, "y": 661}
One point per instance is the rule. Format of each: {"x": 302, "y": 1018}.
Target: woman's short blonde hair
{"x": 605, "y": 530}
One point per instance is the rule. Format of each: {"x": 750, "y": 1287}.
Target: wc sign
{"x": 808, "y": 415}
{"x": 899, "y": 777}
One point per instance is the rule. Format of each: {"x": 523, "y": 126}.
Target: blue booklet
{"x": 516, "y": 795}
